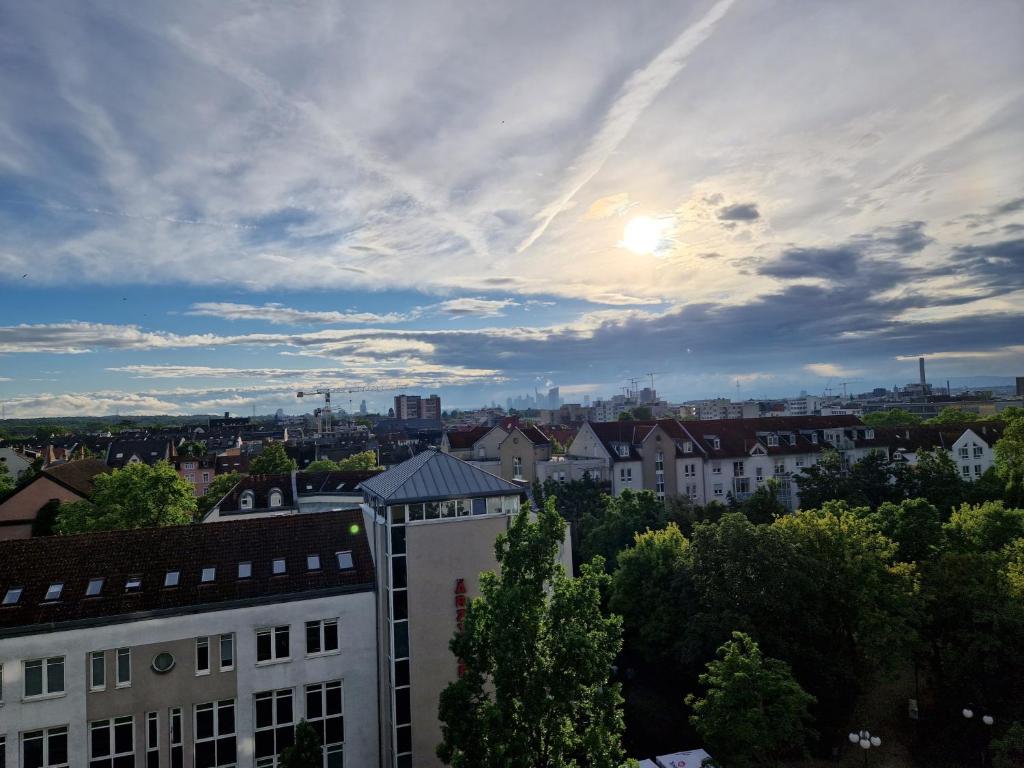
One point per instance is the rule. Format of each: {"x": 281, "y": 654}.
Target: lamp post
{"x": 866, "y": 742}
{"x": 985, "y": 731}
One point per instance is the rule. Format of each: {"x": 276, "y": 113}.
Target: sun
{"x": 642, "y": 235}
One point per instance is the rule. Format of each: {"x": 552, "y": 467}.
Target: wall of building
{"x": 354, "y": 664}
{"x": 516, "y": 445}
{"x": 26, "y": 503}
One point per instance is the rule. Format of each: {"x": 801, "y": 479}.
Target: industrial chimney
{"x": 920, "y": 363}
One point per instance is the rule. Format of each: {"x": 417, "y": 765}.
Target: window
{"x": 152, "y": 740}
{"x": 174, "y": 737}
{"x": 324, "y": 713}
{"x": 626, "y": 474}
{"x": 13, "y": 595}
{"x": 124, "y": 667}
{"x": 202, "y": 655}
{"x": 780, "y": 468}
{"x": 208, "y": 575}
{"x": 716, "y": 444}
{"x": 206, "y": 477}
{"x": 659, "y": 485}
{"x": 814, "y": 438}
{"x": 978, "y": 451}
{"x": 215, "y": 734}
{"x": 345, "y": 560}
{"x": 517, "y": 468}
{"x": 688, "y": 447}
{"x": 276, "y": 498}
{"x": 977, "y": 470}
{"x": 321, "y": 636}
{"x": 97, "y": 671}
{"x": 112, "y": 743}
{"x": 689, "y": 470}
{"x": 963, "y": 452}
{"x": 716, "y": 468}
{"x": 133, "y": 584}
{"x": 53, "y": 592}
{"x": 94, "y": 587}
{"x": 227, "y": 652}
{"x": 716, "y": 489}
{"x": 313, "y": 562}
{"x": 171, "y": 578}
{"x": 44, "y": 677}
{"x": 966, "y": 470}
{"x": 279, "y": 566}
{"x": 799, "y": 462}
{"x": 272, "y": 644}
{"x": 773, "y": 441}
{"x": 246, "y": 500}
{"x": 45, "y": 749}
{"x": 737, "y": 469}
{"x": 245, "y": 570}
{"x": 275, "y": 727}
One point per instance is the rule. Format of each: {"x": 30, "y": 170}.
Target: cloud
{"x": 830, "y": 370}
{"x": 739, "y": 212}
{"x": 828, "y": 263}
{"x": 608, "y": 207}
{"x": 278, "y": 314}
{"x": 468, "y": 307}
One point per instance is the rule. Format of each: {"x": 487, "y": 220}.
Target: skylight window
{"x": 279, "y": 566}
{"x": 172, "y": 578}
{"x": 313, "y": 562}
{"x": 13, "y": 595}
{"x": 245, "y": 570}
{"x": 133, "y": 584}
{"x": 209, "y": 574}
{"x": 53, "y": 592}
{"x": 345, "y": 560}
{"x": 94, "y": 587}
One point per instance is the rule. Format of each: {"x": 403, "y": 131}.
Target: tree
{"x": 1008, "y": 752}
{"x": 642, "y": 413}
{"x": 870, "y": 481}
{"x": 6, "y": 481}
{"x": 625, "y": 416}
{"x": 648, "y": 589}
{"x": 576, "y": 501}
{"x": 358, "y": 462}
{"x": 322, "y": 465}
{"x": 216, "y": 490}
{"x": 537, "y": 653}
{"x": 137, "y": 496}
{"x": 763, "y": 505}
{"x": 623, "y": 517}
{"x": 753, "y": 711}
{"x": 897, "y": 417}
{"x": 934, "y": 477}
{"x": 272, "y": 460}
{"x": 823, "y": 481}
{"x": 915, "y": 526}
{"x": 952, "y": 417}
{"x": 306, "y": 752}
{"x": 1009, "y": 450}
{"x": 984, "y": 527}
{"x": 194, "y": 448}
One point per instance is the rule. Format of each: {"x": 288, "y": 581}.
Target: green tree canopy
{"x": 358, "y": 462}
{"x": 215, "y": 491}
{"x": 952, "y": 417}
{"x": 897, "y": 417}
{"x": 137, "y": 496}
{"x": 272, "y": 460}
{"x": 984, "y": 527}
{"x": 6, "y": 481}
{"x": 306, "y": 752}
{"x": 1009, "y": 450}
{"x": 823, "y": 481}
{"x": 915, "y": 526}
{"x": 623, "y": 516}
{"x": 753, "y": 711}
{"x": 934, "y": 477}
{"x": 537, "y": 653}
{"x": 194, "y": 448}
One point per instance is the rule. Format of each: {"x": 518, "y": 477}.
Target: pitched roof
{"x": 320, "y": 483}
{"x": 150, "y": 553}
{"x": 534, "y": 435}
{"x": 260, "y": 486}
{"x": 77, "y": 476}
{"x": 461, "y": 439}
{"x": 435, "y": 475}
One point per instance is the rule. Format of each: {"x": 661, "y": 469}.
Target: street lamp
{"x": 866, "y": 742}
{"x": 985, "y": 733}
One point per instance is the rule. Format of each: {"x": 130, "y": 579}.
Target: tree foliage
{"x": 897, "y": 417}
{"x": 216, "y": 490}
{"x": 984, "y": 527}
{"x": 753, "y": 711}
{"x": 137, "y": 496}
{"x": 272, "y": 460}
{"x": 306, "y": 752}
{"x": 1009, "y": 460}
{"x": 623, "y": 516}
{"x": 537, "y": 653}
{"x": 951, "y": 417}
{"x": 1008, "y": 751}
{"x": 365, "y": 460}
{"x": 6, "y": 481}
{"x": 915, "y": 526}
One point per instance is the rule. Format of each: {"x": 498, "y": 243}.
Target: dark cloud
{"x": 795, "y": 263}
{"x": 1009, "y": 207}
{"x": 739, "y": 212}
{"x": 905, "y": 238}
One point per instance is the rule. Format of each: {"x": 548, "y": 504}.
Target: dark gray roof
{"x": 436, "y": 475}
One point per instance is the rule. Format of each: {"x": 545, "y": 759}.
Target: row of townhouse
{"x": 203, "y": 646}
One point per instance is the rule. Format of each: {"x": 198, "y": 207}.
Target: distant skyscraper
{"x": 1020, "y": 386}
{"x": 554, "y": 400}
{"x": 362, "y": 406}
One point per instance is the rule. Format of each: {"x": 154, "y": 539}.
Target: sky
{"x": 207, "y": 206}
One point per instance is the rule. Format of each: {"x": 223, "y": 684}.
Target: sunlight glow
{"x": 642, "y": 235}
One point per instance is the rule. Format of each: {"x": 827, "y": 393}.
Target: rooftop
{"x": 434, "y": 475}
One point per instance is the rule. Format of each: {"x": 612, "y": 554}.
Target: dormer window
{"x": 276, "y": 498}
{"x": 54, "y": 591}
{"x": 133, "y": 584}
{"x": 688, "y": 447}
{"x": 246, "y": 500}
{"x": 209, "y": 574}
{"x": 94, "y": 587}
{"x": 773, "y": 441}
{"x": 623, "y": 450}
{"x": 814, "y": 438}
{"x": 13, "y": 595}
{"x": 870, "y": 434}
{"x": 716, "y": 443}
{"x": 279, "y": 566}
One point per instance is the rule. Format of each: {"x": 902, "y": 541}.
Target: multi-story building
{"x": 188, "y": 646}
{"x": 416, "y": 407}
{"x": 197, "y": 471}
{"x": 970, "y": 446}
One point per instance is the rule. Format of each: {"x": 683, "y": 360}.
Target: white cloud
{"x": 470, "y": 307}
{"x": 829, "y": 370}
{"x": 278, "y": 314}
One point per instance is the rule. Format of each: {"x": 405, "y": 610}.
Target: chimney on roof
{"x": 227, "y": 414}
{"x": 920, "y": 364}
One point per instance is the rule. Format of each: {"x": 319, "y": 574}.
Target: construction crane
{"x": 324, "y": 416}
{"x": 844, "y": 383}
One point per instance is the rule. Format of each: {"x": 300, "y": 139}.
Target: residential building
{"x": 193, "y": 645}
{"x": 416, "y": 407}
{"x": 60, "y": 483}
{"x": 971, "y": 446}
{"x": 262, "y": 495}
{"x": 121, "y": 453}
{"x": 197, "y": 471}
{"x": 520, "y": 451}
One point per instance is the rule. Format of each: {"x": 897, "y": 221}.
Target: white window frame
{"x": 273, "y": 633}
{"x": 45, "y": 664}
{"x": 110, "y": 724}
{"x": 46, "y": 734}
{"x": 100, "y": 656}
{"x": 717, "y": 489}
{"x": 203, "y": 644}
{"x": 321, "y": 626}
{"x": 517, "y": 467}
{"x": 118, "y": 655}
{"x": 280, "y": 693}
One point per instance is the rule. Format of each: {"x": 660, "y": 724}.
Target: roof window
{"x": 53, "y": 592}
{"x": 245, "y": 570}
{"x": 345, "y": 560}
{"x": 94, "y": 587}
{"x": 279, "y": 566}
{"x": 172, "y": 578}
{"x": 13, "y": 595}
{"x": 209, "y": 574}
{"x": 133, "y": 584}
{"x": 313, "y": 562}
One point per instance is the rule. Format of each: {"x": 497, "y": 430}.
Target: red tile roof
{"x": 462, "y": 439}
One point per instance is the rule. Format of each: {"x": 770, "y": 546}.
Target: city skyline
{"x": 203, "y": 211}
